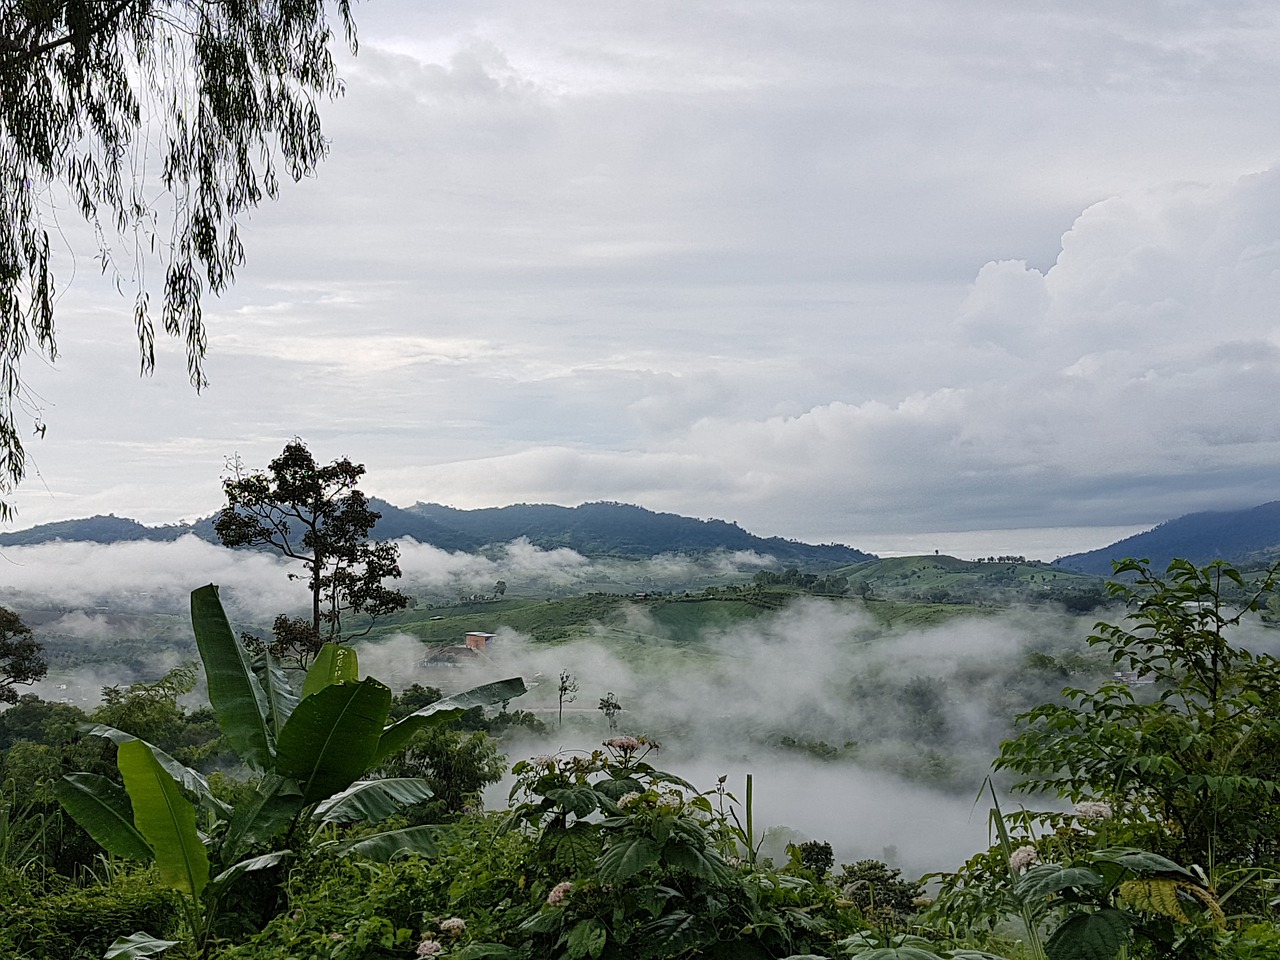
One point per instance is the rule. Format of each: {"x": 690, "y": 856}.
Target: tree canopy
{"x": 161, "y": 122}
{"x": 20, "y": 659}
{"x": 315, "y": 514}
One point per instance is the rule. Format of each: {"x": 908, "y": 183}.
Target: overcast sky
{"x": 835, "y": 270}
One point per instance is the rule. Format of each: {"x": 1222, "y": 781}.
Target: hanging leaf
{"x": 281, "y": 697}
{"x": 399, "y": 733}
{"x": 373, "y": 800}
{"x": 628, "y": 856}
{"x": 102, "y": 808}
{"x": 387, "y": 846}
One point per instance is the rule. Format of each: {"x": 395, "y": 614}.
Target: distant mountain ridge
{"x": 1234, "y": 535}
{"x": 594, "y": 530}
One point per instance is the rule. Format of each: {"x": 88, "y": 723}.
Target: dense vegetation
{"x": 1169, "y": 851}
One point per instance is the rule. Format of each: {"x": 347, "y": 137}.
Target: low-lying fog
{"x": 891, "y": 733}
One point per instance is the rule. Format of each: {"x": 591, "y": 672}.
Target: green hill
{"x": 1239, "y": 536}
{"x": 595, "y": 530}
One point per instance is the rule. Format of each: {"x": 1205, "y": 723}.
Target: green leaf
{"x": 228, "y": 876}
{"x": 485, "y": 951}
{"x": 262, "y": 816}
{"x": 386, "y": 846}
{"x": 373, "y": 800}
{"x": 1142, "y": 861}
{"x": 102, "y": 808}
{"x": 234, "y": 691}
{"x": 332, "y": 737}
{"x": 165, "y": 818}
{"x": 586, "y": 939}
{"x": 281, "y": 697}
{"x": 580, "y": 801}
{"x": 398, "y": 734}
{"x": 333, "y": 664}
{"x": 1089, "y": 936}
{"x": 191, "y": 780}
{"x": 1046, "y": 878}
{"x": 138, "y": 945}
{"x": 575, "y": 849}
{"x": 628, "y": 856}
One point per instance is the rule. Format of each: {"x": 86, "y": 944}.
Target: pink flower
{"x": 430, "y": 948}
{"x": 1023, "y": 859}
{"x": 558, "y": 892}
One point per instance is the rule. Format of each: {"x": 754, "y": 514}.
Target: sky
{"x": 978, "y": 276}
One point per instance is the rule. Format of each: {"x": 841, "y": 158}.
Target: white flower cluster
{"x": 558, "y": 892}
{"x": 670, "y": 797}
{"x": 623, "y": 744}
{"x": 454, "y": 926}
{"x": 430, "y": 948}
{"x": 629, "y": 799}
{"x": 1023, "y": 859}
{"x": 1093, "y": 810}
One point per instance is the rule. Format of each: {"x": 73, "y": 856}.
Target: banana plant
{"x": 311, "y": 752}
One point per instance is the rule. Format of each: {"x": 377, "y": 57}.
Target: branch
{"x": 34, "y": 53}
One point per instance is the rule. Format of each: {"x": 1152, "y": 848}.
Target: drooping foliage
{"x": 162, "y": 122}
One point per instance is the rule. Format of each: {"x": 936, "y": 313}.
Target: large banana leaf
{"x": 334, "y": 664}
{"x": 234, "y": 691}
{"x": 373, "y": 800}
{"x": 228, "y": 876}
{"x": 102, "y": 808}
{"x": 281, "y": 697}
{"x": 191, "y": 780}
{"x": 399, "y": 733}
{"x": 332, "y": 737}
{"x": 382, "y": 847}
{"x": 165, "y": 818}
{"x": 262, "y": 816}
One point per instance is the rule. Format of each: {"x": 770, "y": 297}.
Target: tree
{"x": 90, "y": 93}
{"x": 610, "y": 707}
{"x": 568, "y": 691}
{"x": 316, "y": 515}
{"x": 500, "y": 588}
{"x": 1190, "y": 756}
{"x": 20, "y": 660}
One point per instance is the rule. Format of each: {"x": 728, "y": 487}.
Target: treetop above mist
{"x": 594, "y": 530}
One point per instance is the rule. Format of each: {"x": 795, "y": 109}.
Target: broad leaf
{"x": 165, "y": 818}
{"x": 1142, "y": 861}
{"x": 1089, "y": 936}
{"x": 138, "y": 945}
{"x": 281, "y": 697}
{"x": 262, "y": 816}
{"x": 234, "y": 691}
{"x": 102, "y": 808}
{"x": 228, "y": 876}
{"x": 575, "y": 849}
{"x": 628, "y": 856}
{"x": 586, "y": 939}
{"x": 1046, "y": 878}
{"x": 333, "y": 664}
{"x": 332, "y": 737}
{"x": 399, "y": 733}
{"x": 373, "y": 800}
{"x": 383, "y": 847}
{"x": 191, "y": 780}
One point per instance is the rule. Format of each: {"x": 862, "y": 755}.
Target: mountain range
{"x": 592, "y": 529}
{"x": 626, "y": 531}
{"x": 1249, "y": 536}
